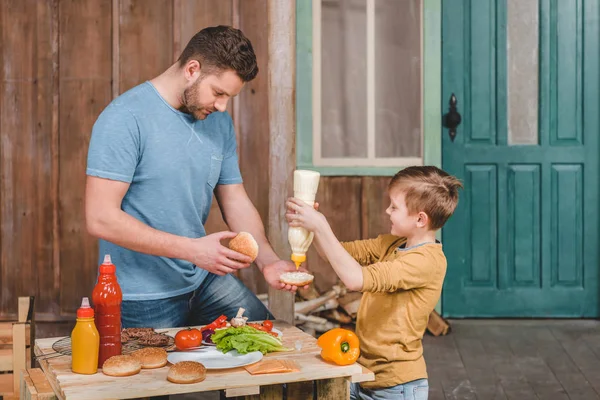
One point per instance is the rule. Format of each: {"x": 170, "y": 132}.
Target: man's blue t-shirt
{"x": 173, "y": 163}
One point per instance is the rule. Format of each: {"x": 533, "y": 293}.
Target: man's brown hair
{"x": 428, "y": 189}
{"x": 221, "y": 48}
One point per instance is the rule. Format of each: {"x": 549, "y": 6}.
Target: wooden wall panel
{"x": 375, "y": 201}
{"x": 339, "y": 200}
{"x": 145, "y": 40}
{"x": 57, "y": 76}
{"x": 198, "y": 14}
{"x": 190, "y": 17}
{"x": 25, "y": 156}
{"x": 85, "y": 89}
{"x": 254, "y": 125}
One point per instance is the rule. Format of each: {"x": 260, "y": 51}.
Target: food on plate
{"x": 151, "y": 357}
{"x": 244, "y": 243}
{"x": 339, "y": 346}
{"x": 265, "y": 326}
{"x": 268, "y": 324}
{"x": 186, "y": 372}
{"x": 246, "y": 339}
{"x": 296, "y": 278}
{"x": 238, "y": 320}
{"x": 220, "y": 322}
{"x": 186, "y": 338}
{"x": 144, "y": 336}
{"x": 206, "y": 334}
{"x": 135, "y": 333}
{"x": 121, "y": 365}
{"x": 154, "y": 339}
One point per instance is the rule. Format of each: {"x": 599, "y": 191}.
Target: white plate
{"x": 212, "y": 358}
{"x": 275, "y": 330}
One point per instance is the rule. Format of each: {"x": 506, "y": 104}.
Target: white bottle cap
{"x": 85, "y": 302}
{"x": 107, "y": 259}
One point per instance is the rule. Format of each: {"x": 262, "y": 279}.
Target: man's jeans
{"x": 415, "y": 390}
{"x": 216, "y": 296}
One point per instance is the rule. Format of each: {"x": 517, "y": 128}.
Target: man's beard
{"x": 188, "y": 105}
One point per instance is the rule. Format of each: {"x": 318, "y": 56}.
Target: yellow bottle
{"x": 85, "y": 341}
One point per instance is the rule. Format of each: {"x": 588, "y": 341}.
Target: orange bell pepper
{"x": 339, "y": 346}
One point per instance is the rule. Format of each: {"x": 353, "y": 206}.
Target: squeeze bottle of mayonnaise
{"x": 305, "y": 189}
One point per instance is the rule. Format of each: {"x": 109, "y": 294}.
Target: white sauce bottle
{"x": 305, "y": 188}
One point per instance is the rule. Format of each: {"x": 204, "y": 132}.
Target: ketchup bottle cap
{"x": 107, "y": 267}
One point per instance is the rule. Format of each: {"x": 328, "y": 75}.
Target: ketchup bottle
{"x": 107, "y": 298}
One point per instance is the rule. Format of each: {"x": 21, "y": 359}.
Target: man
{"x": 157, "y": 154}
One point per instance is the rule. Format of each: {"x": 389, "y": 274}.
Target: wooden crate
{"x": 16, "y": 347}
{"x": 35, "y": 386}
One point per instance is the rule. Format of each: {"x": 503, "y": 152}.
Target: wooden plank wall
{"x": 69, "y": 59}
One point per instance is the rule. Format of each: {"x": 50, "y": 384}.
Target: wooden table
{"x": 328, "y": 380}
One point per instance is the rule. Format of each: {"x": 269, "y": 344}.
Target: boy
{"x": 400, "y": 275}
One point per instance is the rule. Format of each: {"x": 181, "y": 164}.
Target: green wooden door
{"x": 524, "y": 239}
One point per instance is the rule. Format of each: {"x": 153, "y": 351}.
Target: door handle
{"x": 452, "y": 118}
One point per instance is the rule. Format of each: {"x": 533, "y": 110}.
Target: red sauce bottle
{"x": 107, "y": 298}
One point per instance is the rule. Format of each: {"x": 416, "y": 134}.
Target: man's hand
{"x": 208, "y": 253}
{"x": 273, "y": 271}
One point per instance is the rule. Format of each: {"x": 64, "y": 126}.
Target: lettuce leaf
{"x": 246, "y": 339}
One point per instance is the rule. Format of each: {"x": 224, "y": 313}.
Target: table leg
{"x": 300, "y": 390}
{"x": 272, "y": 392}
{"x": 333, "y": 389}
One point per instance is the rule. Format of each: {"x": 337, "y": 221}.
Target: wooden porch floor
{"x": 515, "y": 359}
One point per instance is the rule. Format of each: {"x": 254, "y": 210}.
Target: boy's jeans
{"x": 415, "y": 390}
{"x": 217, "y": 295}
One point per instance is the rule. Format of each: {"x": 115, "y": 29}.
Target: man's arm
{"x": 240, "y": 215}
{"x": 106, "y": 220}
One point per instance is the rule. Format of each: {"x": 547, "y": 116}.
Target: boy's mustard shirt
{"x": 400, "y": 289}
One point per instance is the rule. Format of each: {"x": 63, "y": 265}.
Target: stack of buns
{"x": 153, "y": 357}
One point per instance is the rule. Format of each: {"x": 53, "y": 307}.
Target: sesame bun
{"x": 296, "y": 278}
{"x": 186, "y": 372}
{"x": 151, "y": 357}
{"x": 244, "y": 243}
{"x": 122, "y": 365}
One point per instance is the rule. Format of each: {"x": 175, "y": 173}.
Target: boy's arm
{"x": 343, "y": 263}
{"x": 365, "y": 252}
{"x": 413, "y": 270}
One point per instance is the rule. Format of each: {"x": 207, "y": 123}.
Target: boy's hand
{"x": 301, "y": 214}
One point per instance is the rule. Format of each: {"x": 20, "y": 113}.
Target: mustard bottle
{"x": 85, "y": 341}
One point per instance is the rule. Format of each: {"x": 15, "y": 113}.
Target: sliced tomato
{"x": 268, "y": 324}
